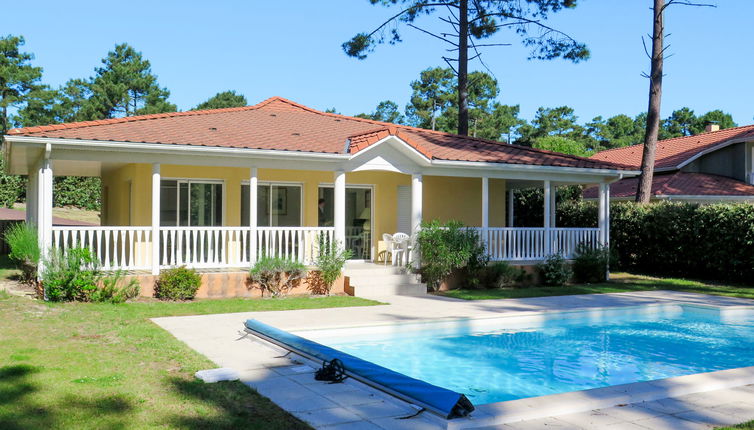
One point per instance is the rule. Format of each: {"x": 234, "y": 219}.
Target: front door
{"x": 358, "y": 218}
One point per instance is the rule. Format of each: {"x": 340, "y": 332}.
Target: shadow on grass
{"x": 239, "y": 406}
{"x": 19, "y": 409}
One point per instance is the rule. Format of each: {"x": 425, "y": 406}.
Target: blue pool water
{"x": 511, "y": 358}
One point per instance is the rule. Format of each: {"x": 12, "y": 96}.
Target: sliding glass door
{"x": 358, "y": 218}
{"x": 191, "y": 203}
{"x": 278, "y": 205}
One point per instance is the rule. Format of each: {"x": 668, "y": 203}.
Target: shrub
{"x": 180, "y": 283}
{"x": 79, "y": 191}
{"x": 446, "y": 248}
{"x": 114, "y": 289}
{"x": 11, "y": 186}
{"x": 554, "y": 270}
{"x": 676, "y": 239}
{"x": 500, "y": 274}
{"x": 590, "y": 264}
{"x": 70, "y": 275}
{"x": 330, "y": 261}
{"x": 276, "y": 275}
{"x": 24, "y": 250}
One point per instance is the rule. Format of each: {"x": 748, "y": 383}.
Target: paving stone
{"x": 624, "y": 426}
{"x": 670, "y": 422}
{"x": 631, "y": 412}
{"x": 543, "y": 423}
{"x": 743, "y": 410}
{"x": 712, "y": 417}
{"x": 416, "y": 423}
{"x": 303, "y": 404}
{"x": 361, "y": 425}
{"x": 355, "y": 397}
{"x": 382, "y": 409}
{"x": 668, "y": 406}
{"x": 590, "y": 419}
{"x": 328, "y": 417}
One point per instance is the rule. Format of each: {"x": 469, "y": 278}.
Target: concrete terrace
{"x": 689, "y": 402}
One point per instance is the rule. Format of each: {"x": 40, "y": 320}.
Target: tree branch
{"x": 433, "y": 35}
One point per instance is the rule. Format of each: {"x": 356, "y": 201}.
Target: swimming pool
{"x": 499, "y": 359}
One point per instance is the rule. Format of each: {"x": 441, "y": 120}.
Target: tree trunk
{"x": 644, "y": 190}
{"x": 463, "y": 68}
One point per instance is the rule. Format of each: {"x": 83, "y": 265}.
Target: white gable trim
{"x": 390, "y": 153}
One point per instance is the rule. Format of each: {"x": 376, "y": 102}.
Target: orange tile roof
{"x": 280, "y": 124}
{"x": 680, "y": 184}
{"x": 672, "y": 152}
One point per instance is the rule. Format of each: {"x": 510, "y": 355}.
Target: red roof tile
{"x": 280, "y": 124}
{"x": 680, "y": 184}
{"x": 672, "y": 152}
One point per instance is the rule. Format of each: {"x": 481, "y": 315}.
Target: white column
{"x": 485, "y": 209}
{"x": 156, "y": 218}
{"x": 553, "y": 205}
{"x": 31, "y": 196}
{"x": 43, "y": 206}
{"x": 548, "y": 216}
{"x": 511, "y": 206}
{"x": 416, "y": 212}
{"x": 602, "y": 220}
{"x": 253, "y": 211}
{"x": 340, "y": 208}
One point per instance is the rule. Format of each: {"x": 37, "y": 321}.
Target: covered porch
{"x": 226, "y": 217}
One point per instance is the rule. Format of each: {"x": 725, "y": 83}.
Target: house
{"x": 216, "y": 189}
{"x": 715, "y": 166}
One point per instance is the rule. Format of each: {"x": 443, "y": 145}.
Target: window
{"x": 278, "y": 205}
{"x": 191, "y": 203}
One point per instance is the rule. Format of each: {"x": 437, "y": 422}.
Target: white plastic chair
{"x": 389, "y": 246}
{"x": 401, "y": 245}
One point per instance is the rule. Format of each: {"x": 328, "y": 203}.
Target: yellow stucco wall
{"x": 445, "y": 198}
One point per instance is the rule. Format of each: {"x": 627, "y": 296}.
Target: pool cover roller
{"x": 440, "y": 400}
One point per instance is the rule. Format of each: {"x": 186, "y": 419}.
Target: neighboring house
{"x": 715, "y": 166}
{"x": 218, "y": 188}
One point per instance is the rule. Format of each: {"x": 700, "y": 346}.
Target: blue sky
{"x": 292, "y": 49}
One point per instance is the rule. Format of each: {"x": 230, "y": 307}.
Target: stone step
{"x": 369, "y": 269}
{"x": 377, "y": 291}
{"x": 389, "y": 279}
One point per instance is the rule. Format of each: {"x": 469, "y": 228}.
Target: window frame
{"x": 189, "y": 181}
{"x": 302, "y": 198}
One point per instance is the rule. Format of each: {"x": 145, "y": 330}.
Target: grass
{"x": 7, "y": 268}
{"x": 619, "y": 283}
{"x": 745, "y": 426}
{"x": 87, "y": 365}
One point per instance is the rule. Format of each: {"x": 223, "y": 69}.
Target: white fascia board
{"x": 181, "y": 154}
{"x": 169, "y": 148}
{"x": 535, "y": 168}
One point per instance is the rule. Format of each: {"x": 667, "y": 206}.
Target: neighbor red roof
{"x": 680, "y": 184}
{"x": 672, "y": 152}
{"x": 281, "y": 124}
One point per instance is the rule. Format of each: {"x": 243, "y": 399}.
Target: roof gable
{"x": 676, "y": 152}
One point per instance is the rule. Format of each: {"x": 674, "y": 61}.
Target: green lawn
{"x": 745, "y": 426}
{"x": 7, "y": 269}
{"x": 620, "y": 282}
{"x": 83, "y": 365}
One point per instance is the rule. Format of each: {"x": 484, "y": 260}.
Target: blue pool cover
{"x": 447, "y": 402}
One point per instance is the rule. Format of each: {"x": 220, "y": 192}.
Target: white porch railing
{"x": 130, "y": 248}
{"x": 116, "y": 247}
{"x": 531, "y": 244}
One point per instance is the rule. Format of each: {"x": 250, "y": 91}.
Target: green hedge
{"x": 675, "y": 239}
